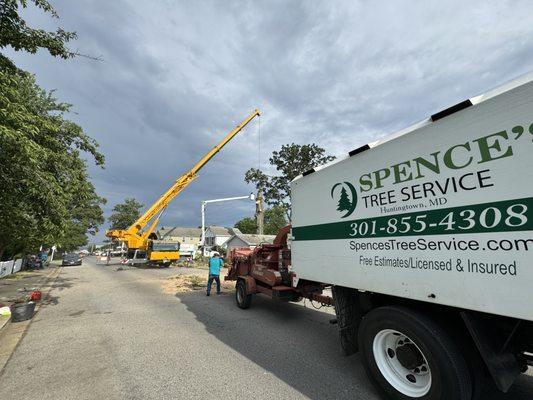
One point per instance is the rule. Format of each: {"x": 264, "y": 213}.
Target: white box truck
{"x": 425, "y": 238}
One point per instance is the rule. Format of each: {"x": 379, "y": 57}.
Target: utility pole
{"x": 259, "y": 212}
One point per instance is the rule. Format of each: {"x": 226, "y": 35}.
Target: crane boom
{"x": 132, "y": 236}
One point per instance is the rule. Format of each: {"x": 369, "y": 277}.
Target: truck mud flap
{"x": 502, "y": 364}
{"x": 349, "y": 315}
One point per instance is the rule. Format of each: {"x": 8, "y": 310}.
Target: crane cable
{"x": 259, "y": 140}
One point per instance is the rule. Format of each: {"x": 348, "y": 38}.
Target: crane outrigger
{"x": 140, "y": 237}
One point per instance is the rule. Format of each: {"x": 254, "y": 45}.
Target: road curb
{"x": 3, "y": 322}
{"x": 11, "y": 334}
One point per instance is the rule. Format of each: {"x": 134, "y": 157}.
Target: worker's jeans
{"x": 212, "y": 278}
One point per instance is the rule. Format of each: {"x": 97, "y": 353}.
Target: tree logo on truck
{"x": 346, "y": 196}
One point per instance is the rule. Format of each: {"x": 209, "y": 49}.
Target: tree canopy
{"x": 290, "y": 161}
{"x": 125, "y": 214}
{"x": 274, "y": 221}
{"x": 15, "y": 32}
{"x": 46, "y": 196}
{"x": 246, "y": 225}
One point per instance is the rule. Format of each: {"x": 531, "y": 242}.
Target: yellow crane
{"x": 138, "y": 237}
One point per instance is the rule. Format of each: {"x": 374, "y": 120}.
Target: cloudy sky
{"x": 178, "y": 75}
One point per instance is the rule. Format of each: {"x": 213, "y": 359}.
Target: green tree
{"x": 274, "y": 220}
{"x": 125, "y": 214}
{"x": 344, "y": 203}
{"x": 247, "y": 225}
{"x": 46, "y": 196}
{"x": 15, "y": 32}
{"x": 290, "y": 161}
{"x": 85, "y": 214}
{"x": 42, "y": 173}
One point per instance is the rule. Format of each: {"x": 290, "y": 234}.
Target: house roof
{"x": 167, "y": 231}
{"x": 254, "y": 240}
{"x": 223, "y": 231}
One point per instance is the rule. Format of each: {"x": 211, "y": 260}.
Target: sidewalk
{"x": 15, "y": 287}
{"x": 19, "y": 285}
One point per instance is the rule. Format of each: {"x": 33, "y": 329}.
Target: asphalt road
{"x": 112, "y": 334}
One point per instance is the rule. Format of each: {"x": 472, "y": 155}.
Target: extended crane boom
{"x": 134, "y": 236}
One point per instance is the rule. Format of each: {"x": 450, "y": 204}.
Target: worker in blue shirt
{"x": 41, "y": 259}
{"x": 215, "y": 263}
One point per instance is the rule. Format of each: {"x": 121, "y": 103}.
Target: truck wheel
{"x": 243, "y": 299}
{"x": 407, "y": 356}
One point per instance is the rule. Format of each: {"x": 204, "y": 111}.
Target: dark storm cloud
{"x": 177, "y": 76}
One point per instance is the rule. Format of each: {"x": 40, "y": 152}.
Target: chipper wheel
{"x": 243, "y": 299}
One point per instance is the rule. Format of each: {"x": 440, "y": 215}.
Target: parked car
{"x": 71, "y": 259}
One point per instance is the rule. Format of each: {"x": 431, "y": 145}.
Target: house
{"x": 247, "y": 240}
{"x": 218, "y": 235}
{"x": 181, "y": 234}
{"x": 189, "y": 238}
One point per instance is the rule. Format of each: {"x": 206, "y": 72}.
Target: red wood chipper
{"x": 267, "y": 269}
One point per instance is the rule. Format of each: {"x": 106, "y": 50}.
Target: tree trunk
{"x": 259, "y": 212}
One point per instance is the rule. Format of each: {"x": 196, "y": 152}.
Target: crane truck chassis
{"x": 424, "y": 239}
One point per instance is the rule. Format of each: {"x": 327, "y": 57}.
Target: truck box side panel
{"x": 442, "y": 213}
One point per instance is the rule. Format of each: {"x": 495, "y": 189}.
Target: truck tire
{"x": 243, "y": 299}
{"x": 408, "y": 356}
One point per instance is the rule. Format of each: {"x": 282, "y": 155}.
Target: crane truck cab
{"x": 159, "y": 253}
{"x": 163, "y": 252}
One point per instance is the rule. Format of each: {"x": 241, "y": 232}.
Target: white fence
{"x": 10, "y": 267}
